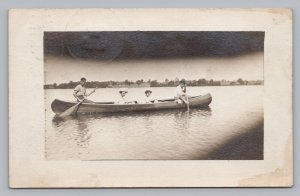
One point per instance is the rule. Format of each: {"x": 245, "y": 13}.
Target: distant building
{"x": 225, "y": 83}
{"x": 134, "y": 85}
{"x": 144, "y": 84}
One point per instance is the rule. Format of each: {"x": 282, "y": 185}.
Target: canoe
{"x": 59, "y": 106}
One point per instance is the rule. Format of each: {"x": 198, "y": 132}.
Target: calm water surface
{"x": 235, "y": 111}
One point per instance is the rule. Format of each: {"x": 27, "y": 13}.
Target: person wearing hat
{"x": 148, "y": 98}
{"x": 123, "y": 98}
{"x": 80, "y": 91}
{"x": 181, "y": 96}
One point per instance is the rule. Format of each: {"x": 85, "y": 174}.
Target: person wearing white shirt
{"x": 147, "y": 98}
{"x": 123, "y": 99}
{"x": 80, "y": 91}
{"x": 181, "y": 96}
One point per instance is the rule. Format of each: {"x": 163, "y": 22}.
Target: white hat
{"x": 123, "y": 90}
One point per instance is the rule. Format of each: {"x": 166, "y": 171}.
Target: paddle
{"x": 187, "y": 99}
{"x": 73, "y": 109}
{"x": 187, "y": 103}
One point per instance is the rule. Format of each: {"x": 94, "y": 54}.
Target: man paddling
{"x": 181, "y": 96}
{"x": 80, "y": 91}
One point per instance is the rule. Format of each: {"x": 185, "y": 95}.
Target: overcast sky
{"x": 248, "y": 67}
{"x": 103, "y": 56}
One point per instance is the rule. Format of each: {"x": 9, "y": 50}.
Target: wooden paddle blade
{"x": 69, "y": 111}
{"x": 73, "y": 109}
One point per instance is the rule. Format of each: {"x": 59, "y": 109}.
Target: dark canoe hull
{"x": 59, "y": 106}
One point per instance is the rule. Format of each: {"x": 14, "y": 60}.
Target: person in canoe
{"x": 181, "y": 96}
{"x": 148, "y": 98}
{"x": 123, "y": 99}
{"x": 80, "y": 91}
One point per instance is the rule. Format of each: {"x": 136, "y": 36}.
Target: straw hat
{"x": 123, "y": 90}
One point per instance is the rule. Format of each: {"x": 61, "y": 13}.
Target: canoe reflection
{"x": 145, "y": 120}
{"x": 178, "y": 114}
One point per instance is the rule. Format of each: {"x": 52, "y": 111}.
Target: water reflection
{"x": 83, "y": 132}
{"x": 80, "y": 128}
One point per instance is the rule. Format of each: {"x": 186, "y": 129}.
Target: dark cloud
{"x": 136, "y": 45}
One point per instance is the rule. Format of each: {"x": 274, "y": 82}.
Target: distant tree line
{"x": 152, "y": 83}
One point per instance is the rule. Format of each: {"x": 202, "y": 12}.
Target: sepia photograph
{"x": 110, "y": 98}
{"x": 166, "y": 95}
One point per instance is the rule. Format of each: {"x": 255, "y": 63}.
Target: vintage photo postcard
{"x": 150, "y": 98}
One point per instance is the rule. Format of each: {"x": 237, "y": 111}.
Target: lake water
{"x": 231, "y": 128}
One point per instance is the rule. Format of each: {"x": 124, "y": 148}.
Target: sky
{"x": 119, "y": 56}
{"x": 64, "y": 70}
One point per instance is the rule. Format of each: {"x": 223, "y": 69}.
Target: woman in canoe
{"x": 148, "y": 98}
{"x": 80, "y": 91}
{"x": 123, "y": 99}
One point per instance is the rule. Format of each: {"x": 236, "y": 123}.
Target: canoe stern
{"x": 59, "y": 106}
